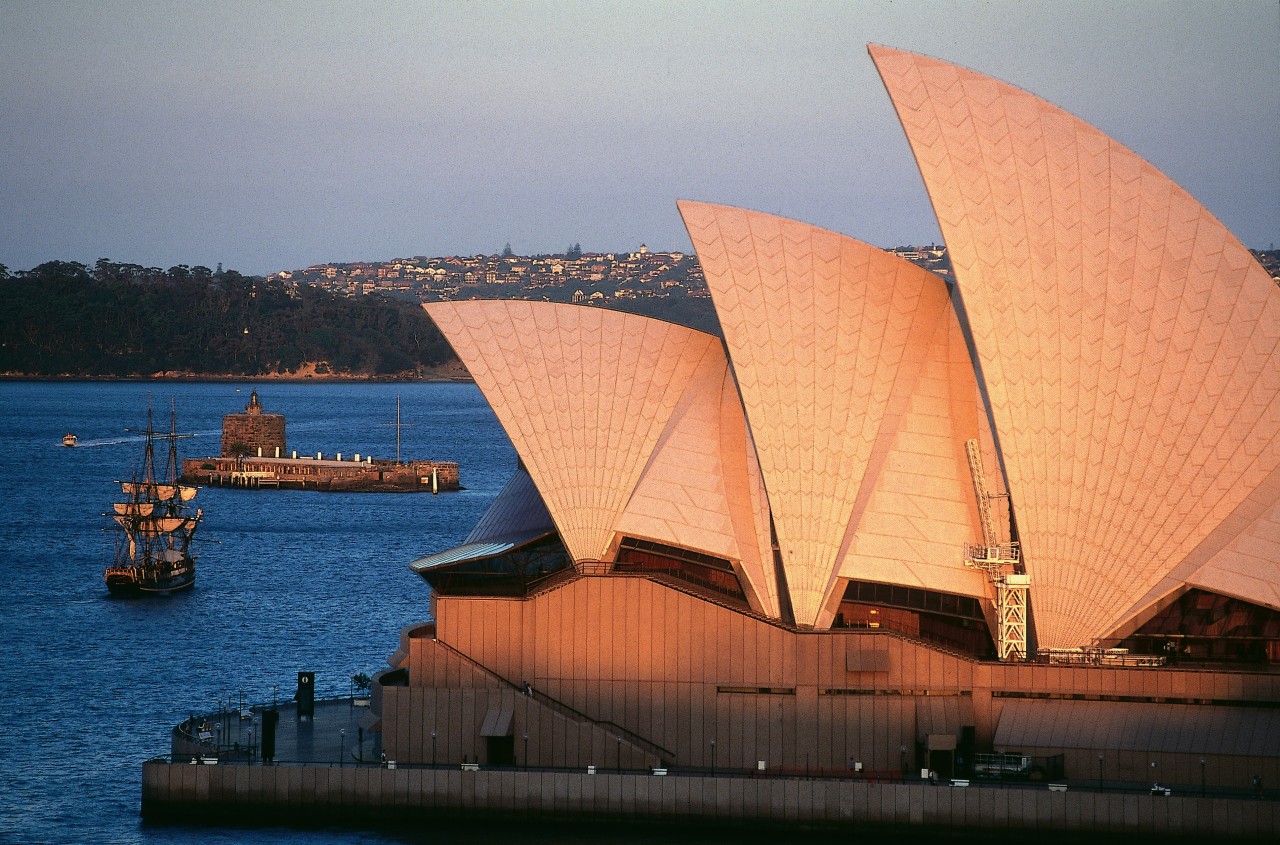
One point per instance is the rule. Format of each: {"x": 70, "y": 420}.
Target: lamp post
{"x": 342, "y": 747}
{"x": 525, "y": 761}
{"x": 217, "y": 727}
{"x": 433, "y": 749}
{"x": 619, "y": 739}
{"x": 902, "y": 751}
{"x": 1202, "y": 777}
{"x": 713, "y": 758}
{"x": 1100, "y": 772}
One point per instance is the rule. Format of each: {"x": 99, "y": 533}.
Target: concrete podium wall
{"x": 307, "y": 793}
{"x": 679, "y": 672}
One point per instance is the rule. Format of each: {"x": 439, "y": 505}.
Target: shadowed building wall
{"x": 611, "y": 656}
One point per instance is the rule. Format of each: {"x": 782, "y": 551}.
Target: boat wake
{"x": 118, "y": 441}
{"x": 85, "y": 444}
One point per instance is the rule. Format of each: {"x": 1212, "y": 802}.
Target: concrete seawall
{"x": 352, "y": 794}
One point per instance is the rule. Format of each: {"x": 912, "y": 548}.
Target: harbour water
{"x": 287, "y": 581}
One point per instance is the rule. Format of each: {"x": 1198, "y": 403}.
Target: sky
{"x": 273, "y": 136}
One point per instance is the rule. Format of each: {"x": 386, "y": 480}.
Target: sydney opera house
{"x": 889, "y": 521}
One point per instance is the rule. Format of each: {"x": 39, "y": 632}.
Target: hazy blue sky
{"x": 270, "y": 136}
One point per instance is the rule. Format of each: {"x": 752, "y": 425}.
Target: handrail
{"x": 564, "y": 709}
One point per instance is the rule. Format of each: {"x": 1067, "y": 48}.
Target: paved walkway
{"x": 334, "y": 735}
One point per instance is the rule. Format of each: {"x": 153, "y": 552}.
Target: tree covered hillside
{"x": 63, "y": 318}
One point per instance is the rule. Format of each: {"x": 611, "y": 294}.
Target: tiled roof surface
{"x": 831, "y": 341}
{"x": 1130, "y": 345}
{"x": 517, "y": 510}
{"x": 623, "y": 425}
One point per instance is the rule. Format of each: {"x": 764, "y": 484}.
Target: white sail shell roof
{"x": 605, "y": 409}
{"x": 1130, "y": 346}
{"x": 859, "y": 395}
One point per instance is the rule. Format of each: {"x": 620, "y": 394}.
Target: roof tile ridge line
{"x": 539, "y": 464}
{"x": 607, "y": 414}
{"x": 566, "y": 388}
{"x": 969, "y": 235}
{"x": 680, "y": 407}
{"x": 644, "y": 445}
{"x": 1127, "y": 457}
{"x": 772, "y": 568}
{"x": 842, "y": 273}
{"x": 1250, "y": 391}
{"x": 1155, "y": 593}
{"x": 903, "y": 389}
{"x": 1164, "y": 365}
{"x": 736, "y": 463}
{"x": 1112, "y": 139}
{"x": 967, "y": 328}
{"x": 1088, "y": 529}
{"x": 797, "y": 414}
{"x": 1205, "y": 223}
{"x": 755, "y": 257}
{"x": 1058, "y": 489}
{"x": 588, "y": 495}
{"x": 602, "y": 498}
{"x": 566, "y": 513}
{"x": 1172, "y": 471}
{"x": 1114, "y": 143}
{"x": 636, "y": 451}
{"x": 1093, "y": 456}
{"x": 788, "y": 410}
{"x": 849, "y": 494}
{"x": 793, "y": 413}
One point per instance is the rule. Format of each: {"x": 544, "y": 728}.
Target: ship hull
{"x": 154, "y": 526}
{"x": 130, "y": 582}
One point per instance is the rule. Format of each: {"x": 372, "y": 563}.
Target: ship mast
{"x": 398, "y": 425}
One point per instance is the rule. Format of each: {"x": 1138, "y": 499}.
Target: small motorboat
{"x": 69, "y": 440}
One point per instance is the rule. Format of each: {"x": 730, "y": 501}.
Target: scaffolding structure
{"x": 1002, "y": 562}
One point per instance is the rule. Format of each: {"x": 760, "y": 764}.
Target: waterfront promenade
{"x": 328, "y": 768}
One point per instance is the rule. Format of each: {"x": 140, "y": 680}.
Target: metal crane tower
{"x": 1002, "y": 562}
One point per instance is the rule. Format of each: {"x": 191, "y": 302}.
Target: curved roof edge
{"x": 830, "y": 340}
{"x": 1129, "y": 341}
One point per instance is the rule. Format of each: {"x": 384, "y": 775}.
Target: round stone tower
{"x": 253, "y": 432}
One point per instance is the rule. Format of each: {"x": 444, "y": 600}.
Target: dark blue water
{"x": 287, "y": 581}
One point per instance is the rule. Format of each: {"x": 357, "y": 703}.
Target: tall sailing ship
{"x": 155, "y": 524}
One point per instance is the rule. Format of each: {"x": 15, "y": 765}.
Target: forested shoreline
{"x": 113, "y": 320}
